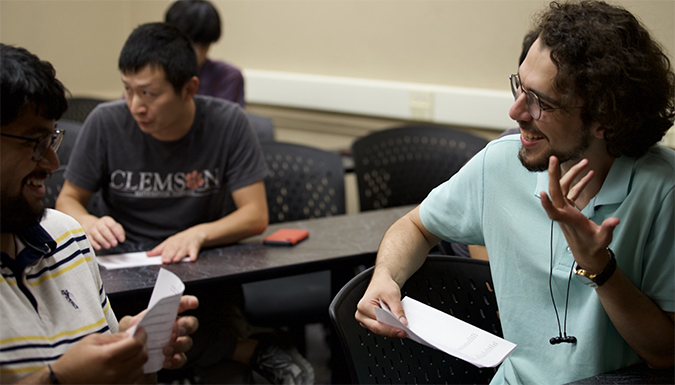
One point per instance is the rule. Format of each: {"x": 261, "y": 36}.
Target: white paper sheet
{"x": 444, "y": 332}
{"x": 120, "y": 261}
{"x": 158, "y": 321}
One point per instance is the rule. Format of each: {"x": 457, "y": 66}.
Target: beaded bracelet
{"x": 52, "y": 375}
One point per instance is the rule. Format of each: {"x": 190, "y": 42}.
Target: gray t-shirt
{"x": 156, "y": 189}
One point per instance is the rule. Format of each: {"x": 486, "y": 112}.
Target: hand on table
{"x": 384, "y": 288}
{"x": 103, "y": 232}
{"x": 586, "y": 239}
{"x": 187, "y": 243}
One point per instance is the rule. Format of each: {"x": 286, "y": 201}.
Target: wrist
{"x": 596, "y": 280}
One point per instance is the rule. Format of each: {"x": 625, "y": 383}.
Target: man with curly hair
{"x": 581, "y": 248}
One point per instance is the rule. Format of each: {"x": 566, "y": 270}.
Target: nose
{"x": 519, "y": 110}
{"x": 136, "y": 105}
{"x": 50, "y": 160}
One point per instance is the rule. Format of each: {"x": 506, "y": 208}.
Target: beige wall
{"x": 449, "y": 43}
{"x": 457, "y": 43}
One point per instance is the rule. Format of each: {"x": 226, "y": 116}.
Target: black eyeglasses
{"x": 534, "y": 106}
{"x": 42, "y": 143}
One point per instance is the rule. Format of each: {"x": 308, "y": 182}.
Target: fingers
{"x": 562, "y": 190}
{"x": 188, "y": 302}
{"x": 181, "y": 341}
{"x": 194, "y": 253}
{"x": 106, "y": 233}
{"x": 157, "y": 251}
{"x": 378, "y": 327}
{"x": 576, "y": 190}
{"x": 172, "y": 251}
{"x": 174, "y": 353}
{"x": 367, "y": 317}
{"x": 606, "y": 231}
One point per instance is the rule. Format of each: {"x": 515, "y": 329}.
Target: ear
{"x": 597, "y": 130}
{"x": 190, "y": 88}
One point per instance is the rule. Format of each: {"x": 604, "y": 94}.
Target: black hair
{"x": 607, "y": 59}
{"x": 198, "y": 19}
{"x": 29, "y": 81}
{"x": 161, "y": 45}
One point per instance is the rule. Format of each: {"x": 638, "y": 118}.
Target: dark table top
{"x": 331, "y": 241}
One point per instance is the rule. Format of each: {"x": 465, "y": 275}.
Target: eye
{"x": 545, "y": 106}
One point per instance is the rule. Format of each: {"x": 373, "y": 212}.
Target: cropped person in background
{"x": 200, "y": 20}
{"x": 168, "y": 162}
{"x": 56, "y": 324}
{"x": 577, "y": 213}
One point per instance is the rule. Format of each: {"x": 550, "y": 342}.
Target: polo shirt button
{"x": 568, "y": 250}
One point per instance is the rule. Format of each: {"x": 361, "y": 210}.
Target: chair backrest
{"x": 79, "y": 108}
{"x": 304, "y": 182}
{"x": 461, "y": 287}
{"x": 262, "y": 125}
{"x": 55, "y": 182}
{"x": 400, "y": 166}
{"x": 53, "y": 186}
{"x": 72, "y": 131}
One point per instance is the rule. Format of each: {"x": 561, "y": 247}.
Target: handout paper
{"x": 120, "y": 261}
{"x": 444, "y": 332}
{"x": 159, "y": 320}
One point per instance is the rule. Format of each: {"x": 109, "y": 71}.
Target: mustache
{"x": 529, "y": 127}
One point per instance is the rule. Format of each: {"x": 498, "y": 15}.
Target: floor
{"x": 318, "y": 352}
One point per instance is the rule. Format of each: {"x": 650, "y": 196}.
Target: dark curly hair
{"x": 26, "y": 81}
{"x": 607, "y": 58}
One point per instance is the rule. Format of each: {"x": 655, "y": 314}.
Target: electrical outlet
{"x": 421, "y": 105}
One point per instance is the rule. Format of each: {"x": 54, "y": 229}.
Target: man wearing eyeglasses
{"x": 577, "y": 213}
{"x": 56, "y": 325}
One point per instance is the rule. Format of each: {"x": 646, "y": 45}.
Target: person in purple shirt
{"x": 200, "y": 20}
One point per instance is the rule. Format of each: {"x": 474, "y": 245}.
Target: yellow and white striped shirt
{"x": 49, "y": 298}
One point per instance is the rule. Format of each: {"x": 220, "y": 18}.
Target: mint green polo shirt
{"x": 494, "y": 201}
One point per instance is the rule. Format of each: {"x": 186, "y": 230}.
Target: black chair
{"x": 400, "y": 166}
{"x": 262, "y": 125}
{"x": 72, "y": 131}
{"x": 55, "y": 182}
{"x": 53, "y": 186}
{"x": 459, "y": 286}
{"x": 304, "y": 182}
{"x": 80, "y": 107}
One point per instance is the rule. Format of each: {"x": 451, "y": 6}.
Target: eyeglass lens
{"x": 533, "y": 106}
{"x": 52, "y": 140}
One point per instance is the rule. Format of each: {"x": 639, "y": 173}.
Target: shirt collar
{"x": 614, "y": 189}
{"x": 38, "y": 243}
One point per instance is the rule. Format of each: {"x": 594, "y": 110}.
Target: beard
{"x": 576, "y": 152}
{"x": 16, "y": 214}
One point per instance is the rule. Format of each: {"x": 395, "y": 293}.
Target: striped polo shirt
{"x": 51, "y": 296}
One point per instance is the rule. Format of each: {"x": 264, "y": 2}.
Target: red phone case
{"x": 286, "y": 237}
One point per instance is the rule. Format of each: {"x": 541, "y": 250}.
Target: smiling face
{"x": 155, "y": 105}
{"x": 557, "y": 132}
{"x": 22, "y": 178}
